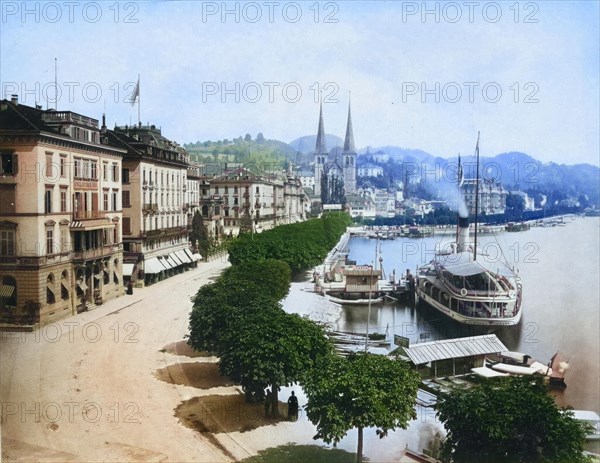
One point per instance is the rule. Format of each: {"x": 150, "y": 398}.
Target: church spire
{"x": 349, "y": 141}
{"x": 321, "y": 147}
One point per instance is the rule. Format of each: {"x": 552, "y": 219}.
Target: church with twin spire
{"x": 335, "y": 172}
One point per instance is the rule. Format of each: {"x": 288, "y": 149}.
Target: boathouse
{"x": 451, "y": 357}
{"x": 361, "y": 279}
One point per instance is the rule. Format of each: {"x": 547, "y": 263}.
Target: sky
{"x": 419, "y": 75}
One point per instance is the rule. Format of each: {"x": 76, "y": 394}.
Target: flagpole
{"x": 139, "y": 99}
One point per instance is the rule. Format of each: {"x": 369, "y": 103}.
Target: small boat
{"x": 344, "y": 299}
{"x": 591, "y": 418}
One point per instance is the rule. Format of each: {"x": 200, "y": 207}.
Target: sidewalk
{"x": 83, "y": 388}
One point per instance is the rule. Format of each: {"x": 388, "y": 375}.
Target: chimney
{"x": 463, "y": 234}
{"x": 14, "y": 99}
{"x": 103, "y": 128}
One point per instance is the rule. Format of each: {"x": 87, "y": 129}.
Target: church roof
{"x": 320, "y": 147}
{"x": 349, "y": 140}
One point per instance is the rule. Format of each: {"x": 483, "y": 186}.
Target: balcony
{"x": 96, "y": 253}
{"x": 165, "y": 232}
{"x": 88, "y": 215}
{"x": 149, "y": 208}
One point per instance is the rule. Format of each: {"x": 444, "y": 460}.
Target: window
{"x": 7, "y": 242}
{"x": 105, "y": 171}
{"x": 105, "y": 201}
{"x": 49, "y": 165}
{"x": 126, "y": 226}
{"x": 64, "y": 239}
{"x": 93, "y": 170}
{"x": 63, "y": 200}
{"x": 64, "y": 285}
{"x": 115, "y": 172}
{"x": 49, "y": 240}
{"x": 126, "y": 198}
{"x": 7, "y": 198}
{"x": 8, "y": 164}
{"x": 50, "y": 299}
{"x": 48, "y": 201}
{"x": 115, "y": 199}
{"x": 77, "y": 167}
{"x": 125, "y": 174}
{"x": 63, "y": 166}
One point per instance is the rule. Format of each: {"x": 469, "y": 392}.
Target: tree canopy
{"x": 509, "y": 420}
{"x": 360, "y": 391}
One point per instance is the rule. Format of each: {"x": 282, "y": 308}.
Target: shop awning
{"x": 183, "y": 257}
{"x": 174, "y": 258}
{"x": 169, "y": 264}
{"x": 128, "y": 269}
{"x": 153, "y": 265}
{"x": 194, "y": 257}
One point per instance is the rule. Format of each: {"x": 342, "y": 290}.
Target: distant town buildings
{"x": 370, "y": 170}
{"x": 492, "y": 196}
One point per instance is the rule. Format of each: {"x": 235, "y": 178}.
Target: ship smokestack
{"x": 463, "y": 234}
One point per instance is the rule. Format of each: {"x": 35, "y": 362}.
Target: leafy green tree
{"x": 265, "y": 346}
{"x": 248, "y": 138}
{"x": 509, "y": 420}
{"x": 260, "y": 139}
{"x": 361, "y": 391}
{"x": 199, "y": 235}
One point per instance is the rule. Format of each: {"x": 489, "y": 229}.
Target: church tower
{"x": 320, "y": 153}
{"x": 349, "y": 157}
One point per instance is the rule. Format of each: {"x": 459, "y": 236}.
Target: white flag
{"x": 136, "y": 93}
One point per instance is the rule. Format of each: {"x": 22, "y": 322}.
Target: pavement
{"x": 84, "y": 388}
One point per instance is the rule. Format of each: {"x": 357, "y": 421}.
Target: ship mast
{"x": 476, "y": 197}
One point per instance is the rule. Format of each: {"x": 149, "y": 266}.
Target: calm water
{"x": 559, "y": 268}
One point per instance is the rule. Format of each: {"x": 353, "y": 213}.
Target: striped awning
{"x": 153, "y": 265}
{"x": 183, "y": 257}
{"x": 166, "y": 262}
{"x": 6, "y": 290}
{"x": 88, "y": 225}
{"x": 194, "y": 257}
{"x": 175, "y": 259}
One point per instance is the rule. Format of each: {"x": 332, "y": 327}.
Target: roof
{"x": 454, "y": 348}
{"x": 462, "y": 264}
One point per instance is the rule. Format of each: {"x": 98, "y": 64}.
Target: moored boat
{"x": 470, "y": 290}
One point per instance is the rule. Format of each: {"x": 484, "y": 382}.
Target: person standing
{"x": 293, "y": 407}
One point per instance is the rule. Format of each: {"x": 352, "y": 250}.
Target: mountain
{"x": 515, "y": 170}
{"x": 306, "y": 144}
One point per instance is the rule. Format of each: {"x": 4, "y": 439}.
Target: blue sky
{"x": 425, "y": 76}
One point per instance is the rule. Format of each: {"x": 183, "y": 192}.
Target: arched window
{"x": 64, "y": 286}
{"x": 50, "y": 299}
{"x": 8, "y": 293}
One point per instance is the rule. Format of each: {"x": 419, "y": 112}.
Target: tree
{"x": 248, "y": 138}
{"x": 265, "y": 346}
{"x": 260, "y": 139}
{"x": 199, "y": 236}
{"x": 509, "y": 420}
{"x": 362, "y": 390}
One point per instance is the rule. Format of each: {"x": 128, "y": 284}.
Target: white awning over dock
{"x": 454, "y": 348}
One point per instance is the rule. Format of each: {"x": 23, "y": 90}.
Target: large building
{"x": 60, "y": 214}
{"x": 239, "y": 199}
{"x": 334, "y": 178}
{"x": 492, "y": 196}
{"x": 155, "y": 221}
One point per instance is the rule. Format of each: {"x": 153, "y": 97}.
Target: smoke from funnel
{"x": 462, "y": 207}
